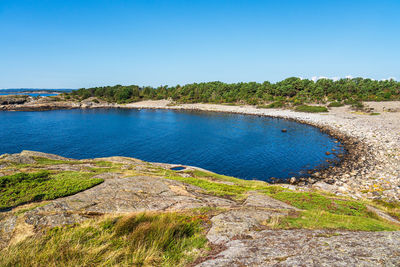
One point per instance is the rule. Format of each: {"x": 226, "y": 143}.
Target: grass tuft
{"x": 168, "y": 239}
{"x": 320, "y": 219}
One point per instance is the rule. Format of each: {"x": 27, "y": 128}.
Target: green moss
{"x": 311, "y": 109}
{"x": 46, "y": 161}
{"x": 320, "y": 219}
{"x": 214, "y": 188}
{"x": 316, "y": 201}
{"x": 23, "y": 188}
{"x": 221, "y": 185}
{"x": 168, "y": 239}
{"x": 104, "y": 164}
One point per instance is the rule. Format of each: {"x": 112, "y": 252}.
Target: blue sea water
{"x": 248, "y": 147}
{"x": 30, "y": 94}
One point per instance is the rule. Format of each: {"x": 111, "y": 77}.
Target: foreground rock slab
{"x": 310, "y": 248}
{"x": 123, "y": 195}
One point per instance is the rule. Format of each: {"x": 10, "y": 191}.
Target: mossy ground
{"x": 23, "y": 188}
{"x": 25, "y": 183}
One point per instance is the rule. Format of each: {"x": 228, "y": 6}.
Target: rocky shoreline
{"x": 369, "y": 169}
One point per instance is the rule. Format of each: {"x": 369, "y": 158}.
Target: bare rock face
{"x": 247, "y": 218}
{"x": 266, "y": 202}
{"x": 7, "y": 226}
{"x": 238, "y": 223}
{"x": 18, "y": 158}
{"x": 310, "y": 248}
{"x": 28, "y": 153}
{"x": 123, "y": 195}
{"x": 13, "y": 99}
{"x": 27, "y": 157}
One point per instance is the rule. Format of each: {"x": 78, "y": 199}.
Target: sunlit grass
{"x": 168, "y": 239}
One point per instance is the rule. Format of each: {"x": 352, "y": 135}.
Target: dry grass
{"x": 167, "y": 239}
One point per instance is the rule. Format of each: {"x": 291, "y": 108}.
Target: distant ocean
{"x": 33, "y": 92}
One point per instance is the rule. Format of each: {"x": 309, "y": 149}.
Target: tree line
{"x": 295, "y": 90}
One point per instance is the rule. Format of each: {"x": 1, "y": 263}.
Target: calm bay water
{"x": 247, "y": 147}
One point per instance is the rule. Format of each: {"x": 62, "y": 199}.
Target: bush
{"x": 355, "y": 104}
{"x": 335, "y": 104}
{"x": 311, "y": 109}
{"x": 297, "y": 102}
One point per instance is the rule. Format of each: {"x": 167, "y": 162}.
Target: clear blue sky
{"x": 72, "y": 44}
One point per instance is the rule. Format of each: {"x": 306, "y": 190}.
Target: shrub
{"x": 312, "y": 109}
{"x": 355, "y": 104}
{"x": 335, "y": 104}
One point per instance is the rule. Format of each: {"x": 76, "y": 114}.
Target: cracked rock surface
{"x": 124, "y": 195}
{"x": 310, "y": 248}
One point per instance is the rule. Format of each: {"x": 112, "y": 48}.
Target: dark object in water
{"x": 327, "y": 153}
{"x": 179, "y": 168}
{"x": 283, "y": 130}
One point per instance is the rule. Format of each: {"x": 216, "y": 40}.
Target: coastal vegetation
{"x": 335, "y": 104}
{"x": 311, "y": 109}
{"x": 293, "y": 90}
{"x": 146, "y": 239}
